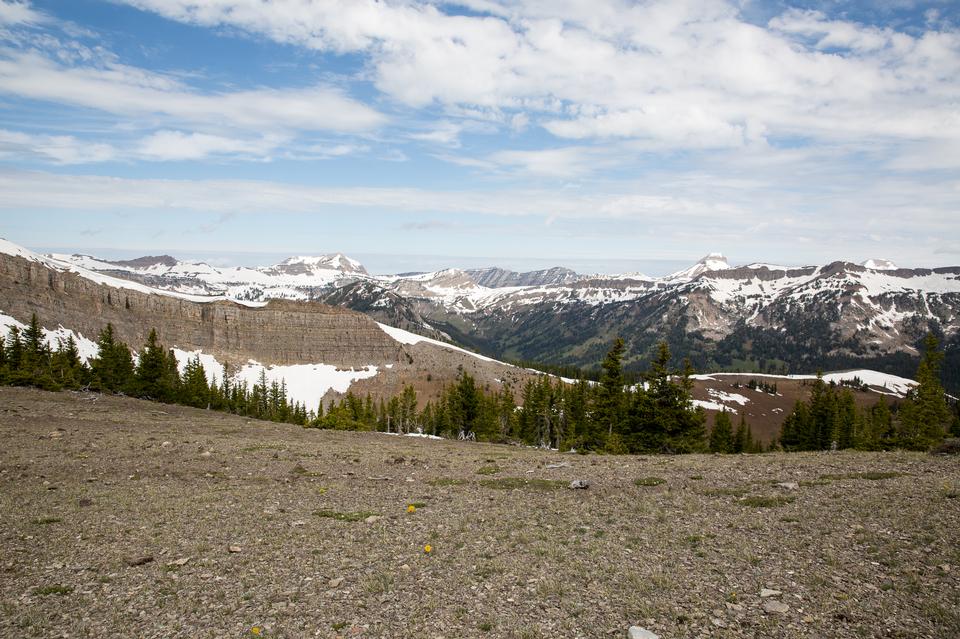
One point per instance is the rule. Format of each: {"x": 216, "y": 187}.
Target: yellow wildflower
{"x": 256, "y": 631}
{"x": 411, "y": 508}
{"x": 428, "y": 549}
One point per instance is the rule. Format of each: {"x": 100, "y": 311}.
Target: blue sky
{"x": 603, "y": 135}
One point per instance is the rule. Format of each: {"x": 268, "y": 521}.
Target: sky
{"x": 602, "y": 135}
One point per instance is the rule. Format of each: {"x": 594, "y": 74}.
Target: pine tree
{"x": 925, "y": 414}
{"x": 153, "y": 374}
{"x": 610, "y": 396}
{"x": 741, "y": 439}
{"x": 67, "y": 368}
{"x": 846, "y": 418}
{"x": 194, "y": 390}
{"x": 721, "y": 436}
{"x": 113, "y": 366}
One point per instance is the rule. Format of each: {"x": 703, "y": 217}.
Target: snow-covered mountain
{"x": 715, "y": 312}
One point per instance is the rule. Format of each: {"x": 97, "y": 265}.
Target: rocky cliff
{"x": 279, "y": 332}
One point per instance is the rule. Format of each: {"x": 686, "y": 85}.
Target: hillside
{"x": 121, "y": 516}
{"x": 314, "y": 347}
{"x": 754, "y": 317}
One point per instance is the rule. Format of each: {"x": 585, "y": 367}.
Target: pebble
{"x": 636, "y": 632}
{"x": 767, "y": 592}
{"x": 205, "y": 453}
{"x": 372, "y": 519}
{"x": 335, "y": 583}
{"x": 579, "y": 483}
{"x": 773, "y": 606}
{"x": 789, "y": 485}
{"x": 235, "y": 549}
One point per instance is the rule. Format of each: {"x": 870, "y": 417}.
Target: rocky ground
{"x": 130, "y": 519}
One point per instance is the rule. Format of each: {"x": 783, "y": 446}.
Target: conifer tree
{"x": 154, "y": 378}
{"x": 113, "y": 366}
{"x": 610, "y": 396}
{"x": 721, "y": 437}
{"x": 741, "y": 439}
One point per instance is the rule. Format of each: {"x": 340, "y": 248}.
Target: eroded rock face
{"x": 279, "y": 333}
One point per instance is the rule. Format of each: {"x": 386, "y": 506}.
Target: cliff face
{"x": 279, "y": 333}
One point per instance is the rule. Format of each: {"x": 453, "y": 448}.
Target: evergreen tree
{"x": 194, "y": 389}
{"x": 66, "y": 366}
{"x": 721, "y": 436}
{"x": 846, "y": 419}
{"x": 154, "y": 377}
{"x": 610, "y": 396}
{"x": 741, "y": 439}
{"x": 925, "y": 415}
{"x": 113, "y": 366}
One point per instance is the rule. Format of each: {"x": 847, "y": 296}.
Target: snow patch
{"x": 406, "y": 337}
{"x": 707, "y": 405}
{"x": 87, "y": 348}
{"x": 306, "y": 383}
{"x": 213, "y": 369}
{"x": 727, "y": 397}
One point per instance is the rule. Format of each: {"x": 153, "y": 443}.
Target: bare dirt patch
{"x": 130, "y": 519}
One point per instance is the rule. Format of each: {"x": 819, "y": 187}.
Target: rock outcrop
{"x": 279, "y": 332}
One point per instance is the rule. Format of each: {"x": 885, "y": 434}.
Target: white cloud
{"x": 13, "y": 12}
{"x": 130, "y": 91}
{"x": 58, "y": 149}
{"x": 564, "y": 162}
{"x": 177, "y": 145}
{"x": 678, "y": 73}
{"x": 444, "y": 133}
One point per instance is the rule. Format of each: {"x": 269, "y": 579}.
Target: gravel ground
{"x": 130, "y": 519}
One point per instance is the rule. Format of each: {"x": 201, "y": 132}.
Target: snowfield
{"x": 893, "y": 384}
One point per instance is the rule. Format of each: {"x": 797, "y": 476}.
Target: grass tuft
{"x": 508, "y": 483}
{"x": 58, "y": 590}
{"x": 873, "y": 476}
{"x": 649, "y": 481}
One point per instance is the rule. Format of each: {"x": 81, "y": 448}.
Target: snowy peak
{"x": 879, "y": 265}
{"x": 495, "y": 277}
{"x": 706, "y": 264}
{"x": 305, "y": 264}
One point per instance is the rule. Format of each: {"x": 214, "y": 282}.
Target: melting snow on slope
{"x": 211, "y": 366}
{"x": 406, "y": 337}
{"x": 719, "y": 395}
{"x": 712, "y": 406}
{"x": 86, "y": 347}
{"x": 893, "y": 383}
{"x": 879, "y": 265}
{"x": 306, "y": 383}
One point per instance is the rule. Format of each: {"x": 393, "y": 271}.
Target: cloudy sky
{"x": 605, "y": 135}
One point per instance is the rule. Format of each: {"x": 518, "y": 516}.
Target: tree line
{"x": 831, "y": 419}
{"x": 26, "y": 359}
{"x": 653, "y": 415}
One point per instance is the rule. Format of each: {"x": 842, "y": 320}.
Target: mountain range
{"x": 754, "y": 317}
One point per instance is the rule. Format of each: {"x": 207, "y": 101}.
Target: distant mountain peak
{"x": 878, "y": 264}
{"x": 335, "y": 261}
{"x": 145, "y": 261}
{"x": 715, "y": 261}
{"x": 709, "y": 262}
